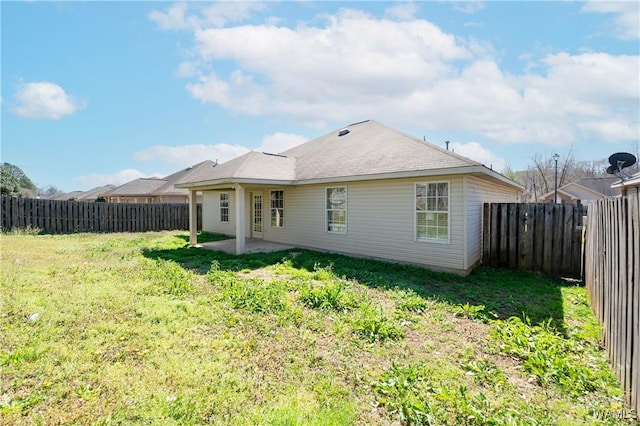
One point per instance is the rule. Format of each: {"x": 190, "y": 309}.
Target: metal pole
{"x": 555, "y": 191}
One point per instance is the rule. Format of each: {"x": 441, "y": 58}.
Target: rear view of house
{"x": 364, "y": 190}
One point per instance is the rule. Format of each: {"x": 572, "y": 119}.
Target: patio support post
{"x": 240, "y": 231}
{"x": 193, "y": 217}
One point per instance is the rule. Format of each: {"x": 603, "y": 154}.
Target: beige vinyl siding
{"x": 380, "y": 220}
{"x": 211, "y": 213}
{"x": 380, "y": 223}
{"x": 479, "y": 191}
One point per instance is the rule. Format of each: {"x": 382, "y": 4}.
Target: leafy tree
{"x": 15, "y": 181}
{"x": 9, "y": 184}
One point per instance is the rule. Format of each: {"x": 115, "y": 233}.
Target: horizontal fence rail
{"x": 534, "y": 237}
{"x": 60, "y": 217}
{"x": 612, "y": 265}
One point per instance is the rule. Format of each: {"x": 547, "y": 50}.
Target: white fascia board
{"x": 467, "y": 170}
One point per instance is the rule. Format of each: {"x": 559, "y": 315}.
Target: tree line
{"x": 15, "y": 182}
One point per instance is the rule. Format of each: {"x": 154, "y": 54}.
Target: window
{"x": 337, "y": 210}
{"x": 432, "y": 211}
{"x": 224, "y": 207}
{"x": 277, "y": 209}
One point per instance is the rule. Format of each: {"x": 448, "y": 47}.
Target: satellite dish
{"x": 619, "y": 161}
{"x": 622, "y": 160}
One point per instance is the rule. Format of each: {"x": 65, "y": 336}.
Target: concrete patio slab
{"x": 252, "y": 245}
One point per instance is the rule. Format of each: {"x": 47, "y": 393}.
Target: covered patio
{"x": 251, "y": 245}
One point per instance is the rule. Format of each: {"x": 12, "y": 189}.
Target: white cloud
{"x": 173, "y": 18}
{"x": 477, "y": 152}
{"x": 44, "y": 100}
{"x": 118, "y": 178}
{"x": 176, "y": 16}
{"x": 410, "y": 72}
{"x": 469, "y": 6}
{"x": 403, "y": 11}
{"x": 280, "y": 142}
{"x": 188, "y": 155}
{"x": 626, "y": 21}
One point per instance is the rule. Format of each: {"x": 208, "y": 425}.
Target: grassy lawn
{"x": 142, "y": 329}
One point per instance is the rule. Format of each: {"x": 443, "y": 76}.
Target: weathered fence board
{"x": 535, "y": 237}
{"x": 612, "y": 266}
{"x": 60, "y": 217}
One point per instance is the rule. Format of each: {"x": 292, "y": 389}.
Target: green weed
{"x": 331, "y": 296}
{"x": 372, "y": 324}
{"x": 255, "y": 295}
{"x": 410, "y": 301}
{"x": 550, "y": 357}
{"x": 473, "y": 312}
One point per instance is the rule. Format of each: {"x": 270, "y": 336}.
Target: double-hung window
{"x": 337, "y": 209}
{"x": 224, "y": 207}
{"x": 432, "y": 212}
{"x": 277, "y": 208}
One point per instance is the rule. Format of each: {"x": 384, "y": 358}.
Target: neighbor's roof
{"x": 138, "y": 187}
{"x": 181, "y": 176}
{"x": 95, "y": 193}
{"x": 162, "y": 186}
{"x": 598, "y": 185}
{"x": 633, "y": 180}
{"x": 73, "y": 195}
{"x": 364, "y": 150}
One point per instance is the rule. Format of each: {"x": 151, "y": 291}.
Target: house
{"x": 67, "y": 196}
{"x": 158, "y": 190}
{"x": 628, "y": 185}
{"x": 365, "y": 190}
{"x": 584, "y": 191}
{"x": 90, "y": 195}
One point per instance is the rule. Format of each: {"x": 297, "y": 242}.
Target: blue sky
{"x": 105, "y": 92}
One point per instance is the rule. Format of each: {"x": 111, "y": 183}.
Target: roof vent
{"x": 343, "y": 132}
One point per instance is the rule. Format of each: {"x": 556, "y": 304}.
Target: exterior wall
{"x": 477, "y": 192}
{"x": 211, "y": 213}
{"x": 380, "y": 221}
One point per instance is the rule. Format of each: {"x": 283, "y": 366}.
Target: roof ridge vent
{"x": 274, "y": 155}
{"x": 343, "y": 132}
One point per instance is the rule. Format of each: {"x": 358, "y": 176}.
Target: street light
{"x": 555, "y": 191}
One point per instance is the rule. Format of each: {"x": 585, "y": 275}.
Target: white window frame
{"x": 327, "y": 210}
{"x": 416, "y": 212}
{"x": 274, "y": 209}
{"x": 224, "y": 207}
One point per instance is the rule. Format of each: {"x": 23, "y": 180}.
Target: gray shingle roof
{"x": 370, "y": 148}
{"x": 162, "y": 186}
{"x": 601, "y": 185}
{"x": 95, "y": 193}
{"x": 138, "y": 187}
{"x": 360, "y": 150}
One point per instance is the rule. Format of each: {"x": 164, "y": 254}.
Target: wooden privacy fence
{"x": 534, "y": 237}
{"x": 612, "y": 265}
{"x": 74, "y": 216}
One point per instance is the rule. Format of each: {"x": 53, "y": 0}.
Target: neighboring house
{"x": 90, "y": 195}
{"x": 158, "y": 190}
{"x": 73, "y": 195}
{"x": 627, "y": 185}
{"x": 365, "y": 190}
{"x": 584, "y": 191}
{"x": 95, "y": 193}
